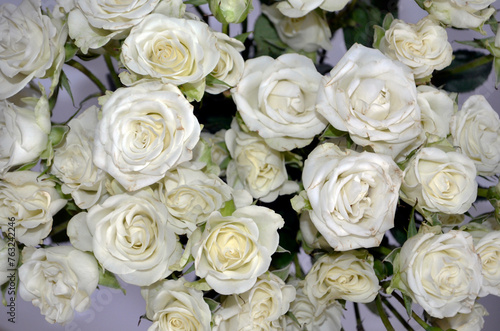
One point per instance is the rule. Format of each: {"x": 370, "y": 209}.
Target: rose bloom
{"x": 145, "y": 130}
{"x": 374, "y": 98}
{"x": 129, "y": 236}
{"x": 73, "y": 162}
{"x": 441, "y": 272}
{"x": 299, "y": 8}
{"x": 32, "y": 200}
{"x": 353, "y": 195}
{"x": 472, "y": 321}
{"x": 423, "y": 47}
{"x": 476, "y": 130}
{"x": 309, "y": 33}
{"x": 312, "y": 316}
{"x": 440, "y": 181}
{"x": 24, "y": 129}
{"x": 488, "y": 248}
{"x": 260, "y": 308}
{"x": 256, "y": 167}
{"x": 173, "y": 306}
{"x": 234, "y": 250}
{"x": 277, "y": 99}
{"x": 460, "y": 13}
{"x": 230, "y": 67}
{"x": 9, "y": 252}
{"x": 436, "y": 109}
{"x": 59, "y": 280}
{"x": 32, "y": 45}
{"x": 342, "y": 275}
{"x": 173, "y": 50}
{"x": 191, "y": 196}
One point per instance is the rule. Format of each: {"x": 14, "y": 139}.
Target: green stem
{"x": 225, "y": 28}
{"x": 382, "y": 250}
{"x": 59, "y": 228}
{"x": 396, "y": 314}
{"x": 470, "y": 65}
{"x": 482, "y": 192}
{"x": 112, "y": 71}
{"x": 86, "y": 72}
{"x": 359, "y": 322}
{"x": 298, "y": 269}
{"x": 200, "y": 11}
{"x": 414, "y": 315}
{"x": 382, "y": 314}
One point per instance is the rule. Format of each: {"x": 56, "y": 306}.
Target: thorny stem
{"x": 382, "y": 314}
{"x": 359, "y": 322}
{"x": 87, "y": 73}
{"x": 394, "y": 311}
{"x": 414, "y": 315}
{"x": 112, "y": 71}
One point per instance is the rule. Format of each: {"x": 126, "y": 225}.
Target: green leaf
{"x": 57, "y": 134}
{"x": 266, "y": 38}
{"x": 70, "y": 50}
{"x": 283, "y": 272}
{"x": 468, "y": 70}
{"x": 196, "y": 2}
{"x": 408, "y": 301}
{"x": 212, "y": 304}
{"x": 63, "y": 79}
{"x": 200, "y": 285}
{"x": 211, "y": 80}
{"x": 243, "y": 37}
{"x": 360, "y": 25}
{"x": 194, "y": 90}
{"x": 412, "y": 227}
{"x": 282, "y": 250}
{"x": 108, "y": 279}
{"x": 496, "y": 65}
{"x": 28, "y": 166}
{"x": 228, "y": 208}
{"x": 331, "y": 132}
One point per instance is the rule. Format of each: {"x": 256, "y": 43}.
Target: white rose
{"x": 310, "y": 233}
{"x": 423, "y": 47}
{"x": 374, "y": 98}
{"x": 32, "y": 200}
{"x": 31, "y": 46}
{"x": 230, "y": 67}
{"x": 58, "y": 280}
{"x": 436, "y": 109}
{"x": 260, "y": 308}
{"x": 440, "y": 181}
{"x": 277, "y": 98}
{"x": 442, "y": 273}
{"x": 463, "y": 14}
{"x": 472, "y": 321}
{"x": 299, "y": 8}
{"x": 211, "y": 150}
{"x": 309, "y": 33}
{"x": 172, "y": 305}
{"x": 256, "y": 167}
{"x": 24, "y": 130}
{"x": 488, "y": 248}
{"x": 145, "y": 130}
{"x": 173, "y": 50}
{"x": 476, "y": 130}
{"x": 73, "y": 162}
{"x": 342, "y": 275}
{"x": 353, "y": 195}
{"x": 9, "y": 255}
{"x": 130, "y": 236}
{"x": 191, "y": 196}
{"x": 234, "y": 250}
{"x": 312, "y": 316}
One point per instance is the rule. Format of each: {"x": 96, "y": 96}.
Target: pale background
{"x": 111, "y": 310}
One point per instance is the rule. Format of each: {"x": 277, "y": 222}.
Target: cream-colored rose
{"x": 440, "y": 181}
{"x": 234, "y": 250}
{"x": 374, "y": 98}
{"x": 277, "y": 99}
{"x": 312, "y": 316}
{"x": 145, "y": 130}
{"x": 129, "y": 236}
{"x": 191, "y": 196}
{"x": 9, "y": 255}
{"x": 299, "y": 8}
{"x": 32, "y": 200}
{"x": 472, "y": 321}
{"x": 463, "y": 14}
{"x": 31, "y": 45}
{"x": 73, "y": 162}
{"x": 260, "y": 308}
{"x": 423, "y": 47}
{"x": 24, "y": 129}
{"x": 353, "y": 195}
{"x": 173, "y": 50}
{"x": 59, "y": 280}
{"x": 230, "y": 67}
{"x": 476, "y": 130}
{"x": 436, "y": 109}
{"x": 488, "y": 248}
{"x": 308, "y": 33}
{"x": 256, "y": 167}
{"x": 441, "y": 272}
{"x": 342, "y": 275}
{"x": 173, "y": 306}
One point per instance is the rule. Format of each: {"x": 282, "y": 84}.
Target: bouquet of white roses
{"x": 218, "y": 152}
